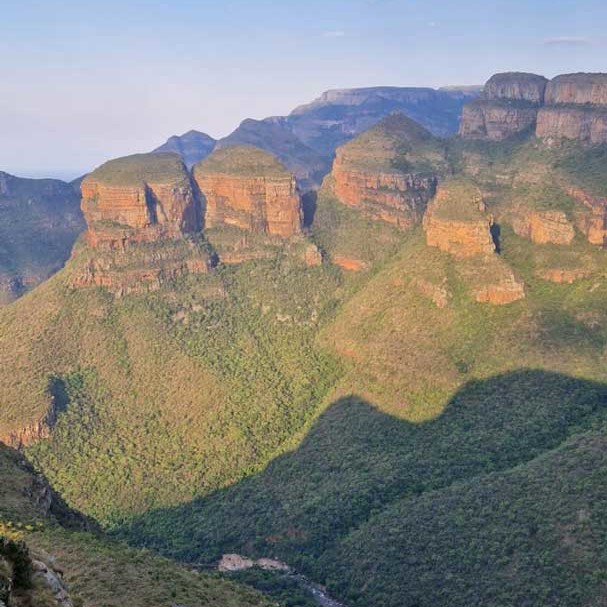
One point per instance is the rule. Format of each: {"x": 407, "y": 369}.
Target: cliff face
{"x": 578, "y": 89}
{"x": 248, "y": 188}
{"x": 387, "y": 172}
{"x": 456, "y": 222}
{"x": 543, "y": 227}
{"x": 147, "y": 196}
{"x": 583, "y": 124}
{"x": 509, "y": 105}
{"x": 142, "y": 216}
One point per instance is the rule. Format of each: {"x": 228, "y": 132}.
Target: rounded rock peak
{"x": 139, "y": 169}
{"x": 516, "y": 86}
{"x": 243, "y": 160}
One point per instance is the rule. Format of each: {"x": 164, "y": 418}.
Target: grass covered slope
{"x": 244, "y": 160}
{"x": 166, "y": 167}
{"x": 97, "y": 571}
{"x": 40, "y": 220}
{"x": 168, "y": 396}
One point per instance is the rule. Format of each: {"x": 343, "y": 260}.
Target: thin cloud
{"x": 334, "y": 34}
{"x": 568, "y": 41}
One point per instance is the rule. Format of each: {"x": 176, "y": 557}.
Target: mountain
{"x": 338, "y": 115}
{"x": 271, "y": 135}
{"x": 40, "y": 220}
{"x": 405, "y": 400}
{"x": 192, "y": 146}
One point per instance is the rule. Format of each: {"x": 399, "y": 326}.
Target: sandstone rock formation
{"x": 143, "y": 217}
{"x": 578, "y": 89}
{"x": 140, "y": 198}
{"x": 250, "y": 189}
{"x": 593, "y": 225}
{"x": 575, "y": 108}
{"x": 547, "y": 226}
{"x": 389, "y": 172}
{"x": 456, "y": 221}
{"x": 509, "y": 105}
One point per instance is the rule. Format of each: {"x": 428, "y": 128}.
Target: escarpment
{"x": 143, "y": 221}
{"x": 570, "y": 107}
{"x": 509, "y": 105}
{"x": 248, "y": 188}
{"x": 457, "y": 223}
{"x": 389, "y": 172}
{"x": 576, "y": 108}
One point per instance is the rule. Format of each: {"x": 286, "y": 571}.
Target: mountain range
{"x": 394, "y": 387}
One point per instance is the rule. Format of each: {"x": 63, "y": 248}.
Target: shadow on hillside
{"x": 308, "y": 206}
{"x": 356, "y": 459}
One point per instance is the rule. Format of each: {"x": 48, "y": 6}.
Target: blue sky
{"x": 83, "y": 81}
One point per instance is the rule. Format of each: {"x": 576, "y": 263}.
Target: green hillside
{"x": 381, "y": 431}
{"x": 97, "y": 571}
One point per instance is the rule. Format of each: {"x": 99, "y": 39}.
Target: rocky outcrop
{"x": 543, "y": 227}
{"x": 28, "y": 581}
{"x": 495, "y": 121}
{"x": 143, "y": 220}
{"x": 587, "y": 125}
{"x": 248, "y": 188}
{"x": 509, "y": 105}
{"x": 577, "y": 89}
{"x": 384, "y": 172}
{"x": 575, "y": 108}
{"x": 456, "y": 221}
{"x": 349, "y": 263}
{"x": 504, "y": 290}
{"x": 140, "y": 198}
{"x": 594, "y": 224}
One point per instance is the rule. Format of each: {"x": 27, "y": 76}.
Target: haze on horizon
{"x": 84, "y": 82}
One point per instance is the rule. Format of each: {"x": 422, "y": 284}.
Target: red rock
{"x": 380, "y": 172}
{"x": 349, "y": 263}
{"x": 582, "y": 124}
{"x": 543, "y": 227}
{"x": 456, "y": 221}
{"x": 578, "y": 89}
{"x": 248, "y": 188}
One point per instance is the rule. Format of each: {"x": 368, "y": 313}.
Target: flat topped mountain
{"x": 508, "y": 106}
{"x": 250, "y": 189}
{"x": 516, "y": 86}
{"x": 580, "y": 88}
{"x": 192, "y": 146}
{"x": 389, "y": 172}
{"x": 131, "y": 204}
{"x": 150, "y": 192}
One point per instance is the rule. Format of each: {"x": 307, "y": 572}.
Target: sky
{"x": 82, "y": 81}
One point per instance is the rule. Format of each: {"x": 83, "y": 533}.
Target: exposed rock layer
{"x": 456, "y": 222}
{"x": 248, "y": 188}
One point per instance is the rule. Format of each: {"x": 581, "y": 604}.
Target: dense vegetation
{"x": 98, "y": 571}
{"x": 398, "y": 450}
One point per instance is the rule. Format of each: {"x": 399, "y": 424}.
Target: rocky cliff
{"x": 509, "y": 105}
{"x": 143, "y": 220}
{"x": 250, "y": 189}
{"x": 545, "y": 226}
{"x": 389, "y": 172}
{"x": 457, "y": 223}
